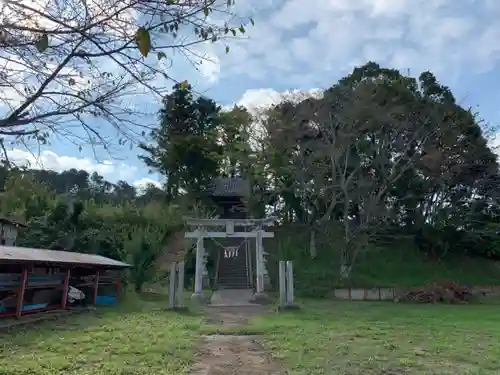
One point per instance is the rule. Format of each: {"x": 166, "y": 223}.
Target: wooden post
{"x": 289, "y": 284}
{"x": 65, "y": 289}
{"x": 20, "y": 292}
{"x": 180, "y": 285}
{"x": 96, "y": 288}
{"x": 118, "y": 284}
{"x": 171, "y": 291}
{"x": 282, "y": 282}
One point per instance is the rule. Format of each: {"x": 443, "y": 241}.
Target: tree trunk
{"x": 312, "y": 244}
{"x": 345, "y": 266}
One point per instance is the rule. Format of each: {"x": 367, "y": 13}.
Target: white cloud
{"x": 255, "y": 99}
{"x": 298, "y": 42}
{"x": 29, "y": 14}
{"x": 110, "y": 170}
{"x": 210, "y": 64}
{"x": 144, "y": 182}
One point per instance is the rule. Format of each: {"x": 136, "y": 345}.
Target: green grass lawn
{"x": 329, "y": 337}
{"x": 136, "y": 338}
{"x": 385, "y": 338}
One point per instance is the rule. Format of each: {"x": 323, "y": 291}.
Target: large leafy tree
{"x": 185, "y": 147}
{"x": 377, "y": 148}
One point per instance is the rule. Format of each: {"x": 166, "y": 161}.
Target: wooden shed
{"x": 9, "y": 230}
{"x": 38, "y": 280}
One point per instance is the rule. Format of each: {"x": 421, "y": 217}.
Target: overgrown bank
{"x": 400, "y": 264}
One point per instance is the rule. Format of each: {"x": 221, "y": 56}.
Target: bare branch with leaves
{"x": 65, "y": 64}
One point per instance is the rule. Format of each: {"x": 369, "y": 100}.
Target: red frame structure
{"x": 97, "y": 272}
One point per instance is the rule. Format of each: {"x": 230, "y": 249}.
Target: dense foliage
{"x": 93, "y": 217}
{"x": 378, "y": 158}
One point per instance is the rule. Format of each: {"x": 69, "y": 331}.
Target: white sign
{"x": 231, "y": 251}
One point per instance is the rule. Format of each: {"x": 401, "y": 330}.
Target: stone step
{"x": 232, "y": 276}
{"x": 232, "y": 286}
{"x": 232, "y": 271}
{"x": 231, "y": 282}
{"x": 232, "y": 279}
{"x": 232, "y": 264}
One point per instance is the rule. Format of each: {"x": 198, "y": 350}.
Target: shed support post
{"x": 20, "y": 292}
{"x": 118, "y": 284}
{"x": 96, "y": 288}
{"x": 65, "y": 289}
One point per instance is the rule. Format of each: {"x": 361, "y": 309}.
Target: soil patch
{"x": 234, "y": 354}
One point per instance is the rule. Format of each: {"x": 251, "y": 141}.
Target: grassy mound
{"x": 397, "y": 265}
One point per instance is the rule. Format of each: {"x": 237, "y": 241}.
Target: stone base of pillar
{"x": 205, "y": 281}
{"x": 289, "y": 308}
{"x": 267, "y": 281}
{"x": 261, "y": 298}
{"x": 199, "y": 298}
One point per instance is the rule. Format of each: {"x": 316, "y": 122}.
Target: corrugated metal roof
{"x": 14, "y": 223}
{"x": 25, "y": 255}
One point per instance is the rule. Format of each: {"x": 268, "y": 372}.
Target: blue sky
{"x": 298, "y": 45}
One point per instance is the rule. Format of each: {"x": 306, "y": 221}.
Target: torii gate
{"x": 205, "y": 228}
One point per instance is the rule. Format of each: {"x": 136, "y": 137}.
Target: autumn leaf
{"x": 43, "y": 43}
{"x": 143, "y": 40}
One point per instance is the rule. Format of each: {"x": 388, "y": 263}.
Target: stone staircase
{"x": 175, "y": 251}
{"x": 233, "y": 269}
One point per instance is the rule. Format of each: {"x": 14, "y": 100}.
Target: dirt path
{"x": 234, "y": 354}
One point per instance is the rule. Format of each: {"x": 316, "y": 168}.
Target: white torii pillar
{"x": 259, "y": 264}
